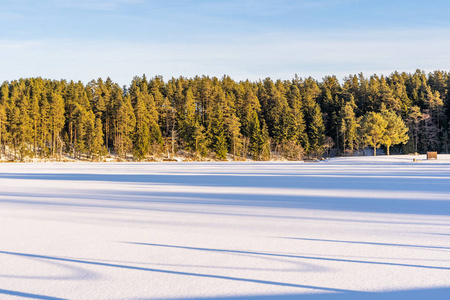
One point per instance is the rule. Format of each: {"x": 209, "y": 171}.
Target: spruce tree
{"x": 189, "y": 126}
{"x": 299, "y": 128}
{"x": 97, "y": 139}
{"x": 218, "y": 135}
{"x": 315, "y": 127}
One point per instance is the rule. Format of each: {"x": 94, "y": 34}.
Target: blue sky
{"x": 87, "y": 39}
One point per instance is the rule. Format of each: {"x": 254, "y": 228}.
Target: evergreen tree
{"x": 386, "y": 97}
{"x": 348, "y": 126}
{"x": 81, "y": 131}
{"x": 298, "y": 132}
{"x": 396, "y": 130}
{"x": 259, "y": 138}
{"x": 315, "y": 127}
{"x": 218, "y": 135}
{"x": 45, "y": 126}
{"x": 57, "y": 119}
{"x": 45, "y": 118}
{"x": 90, "y": 133}
{"x": 233, "y": 130}
{"x": 2, "y": 128}
{"x": 124, "y": 125}
{"x": 97, "y": 139}
{"x": 141, "y": 143}
{"x": 192, "y": 132}
{"x": 373, "y": 130}
{"x": 413, "y": 121}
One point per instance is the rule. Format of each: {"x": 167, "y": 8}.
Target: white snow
{"x": 347, "y": 228}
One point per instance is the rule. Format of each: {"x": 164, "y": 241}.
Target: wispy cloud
{"x": 267, "y": 7}
{"x": 101, "y": 5}
{"x": 242, "y": 57}
{"x": 11, "y": 16}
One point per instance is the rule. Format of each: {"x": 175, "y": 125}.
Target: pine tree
{"x": 298, "y": 120}
{"x": 81, "y": 131}
{"x": 348, "y": 126}
{"x": 14, "y": 127}
{"x": 90, "y": 133}
{"x": 413, "y": 121}
{"x": 3, "y": 121}
{"x": 25, "y": 128}
{"x": 264, "y": 142}
{"x": 218, "y": 135}
{"x": 255, "y": 135}
{"x": 44, "y": 135}
{"x": 233, "y": 130}
{"x": 47, "y": 117}
{"x": 57, "y": 119}
{"x": 396, "y": 130}
{"x": 191, "y": 131}
{"x": 188, "y": 124}
{"x": 386, "y": 97}
{"x": 124, "y": 125}
{"x": 373, "y": 130}
{"x": 259, "y": 138}
{"x": 315, "y": 127}
{"x": 141, "y": 144}
{"x": 97, "y": 139}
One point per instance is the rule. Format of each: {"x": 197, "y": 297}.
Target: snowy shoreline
{"x": 381, "y": 159}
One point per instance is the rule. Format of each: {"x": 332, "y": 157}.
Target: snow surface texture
{"x": 349, "y": 228}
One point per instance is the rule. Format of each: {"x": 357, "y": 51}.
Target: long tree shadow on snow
{"x": 325, "y": 291}
{"x": 303, "y": 257}
{"x": 144, "y": 201}
{"x": 364, "y": 188}
{"x": 154, "y": 270}
{"x": 368, "y": 243}
{"x": 140, "y": 200}
{"x": 415, "y": 294}
{"x": 362, "y": 181}
{"x": 27, "y": 295}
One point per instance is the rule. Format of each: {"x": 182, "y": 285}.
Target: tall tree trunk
{"x": 53, "y": 140}
{"x": 74, "y": 141}
{"x": 1, "y": 148}
{"x": 234, "y": 148}
{"x": 107, "y": 133}
{"x": 35, "y": 138}
{"x": 344, "y": 143}
{"x": 15, "y": 149}
{"x": 60, "y": 147}
{"x": 337, "y": 138}
{"x": 173, "y": 142}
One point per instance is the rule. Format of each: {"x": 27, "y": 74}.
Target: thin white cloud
{"x": 11, "y": 16}
{"x": 102, "y": 5}
{"x": 276, "y": 56}
{"x": 267, "y": 7}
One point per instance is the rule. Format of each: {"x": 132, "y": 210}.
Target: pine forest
{"x": 210, "y": 118}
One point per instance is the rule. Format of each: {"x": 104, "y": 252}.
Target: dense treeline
{"x": 213, "y": 117}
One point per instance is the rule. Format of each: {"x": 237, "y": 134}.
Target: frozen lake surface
{"x": 349, "y": 228}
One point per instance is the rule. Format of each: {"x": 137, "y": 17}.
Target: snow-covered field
{"x": 348, "y": 228}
